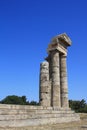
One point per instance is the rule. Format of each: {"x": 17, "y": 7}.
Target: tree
{"x": 34, "y": 103}
{"x": 13, "y": 99}
{"x": 78, "y": 106}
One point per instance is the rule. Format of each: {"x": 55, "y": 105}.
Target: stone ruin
{"x": 53, "y": 94}
{"x": 53, "y": 74}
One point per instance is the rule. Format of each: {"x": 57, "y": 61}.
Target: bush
{"x": 78, "y": 106}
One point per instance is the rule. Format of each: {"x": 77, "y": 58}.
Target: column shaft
{"x": 45, "y": 87}
{"x": 63, "y": 81}
{"x": 55, "y": 74}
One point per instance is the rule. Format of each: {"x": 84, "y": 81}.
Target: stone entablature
{"x": 60, "y": 43}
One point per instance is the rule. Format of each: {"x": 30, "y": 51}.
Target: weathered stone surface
{"x": 45, "y": 88}
{"x": 17, "y": 116}
{"x": 60, "y": 43}
{"x": 63, "y": 82}
{"x": 55, "y": 75}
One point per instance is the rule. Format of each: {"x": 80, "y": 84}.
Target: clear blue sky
{"x": 26, "y": 28}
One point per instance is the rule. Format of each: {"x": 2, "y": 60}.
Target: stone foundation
{"x": 18, "y": 115}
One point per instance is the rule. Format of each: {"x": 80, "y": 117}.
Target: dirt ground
{"x": 81, "y": 125}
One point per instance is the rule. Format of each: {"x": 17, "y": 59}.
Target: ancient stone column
{"x": 55, "y": 74}
{"x": 45, "y": 87}
{"x": 57, "y": 69}
{"x": 64, "y": 86}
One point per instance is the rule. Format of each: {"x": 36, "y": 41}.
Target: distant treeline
{"x": 17, "y": 100}
{"x": 77, "y": 106}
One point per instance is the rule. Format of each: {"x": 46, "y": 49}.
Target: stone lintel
{"x": 59, "y": 43}
{"x": 64, "y": 38}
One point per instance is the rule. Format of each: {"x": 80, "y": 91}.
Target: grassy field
{"x": 81, "y": 125}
